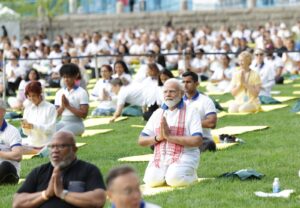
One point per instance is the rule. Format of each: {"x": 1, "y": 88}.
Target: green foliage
{"x": 273, "y": 152}
{"x": 50, "y": 8}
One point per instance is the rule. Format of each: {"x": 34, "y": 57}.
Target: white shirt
{"x": 76, "y": 96}
{"x": 98, "y": 92}
{"x": 95, "y": 48}
{"x": 9, "y": 138}
{"x": 142, "y": 72}
{"x": 54, "y": 54}
{"x": 131, "y": 94}
{"x": 123, "y": 76}
{"x": 192, "y": 125}
{"x": 223, "y": 85}
{"x": 205, "y": 106}
{"x": 43, "y": 118}
{"x": 150, "y": 91}
{"x": 267, "y": 76}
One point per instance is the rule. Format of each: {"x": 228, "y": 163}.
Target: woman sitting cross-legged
{"x": 72, "y": 102}
{"x": 39, "y": 119}
{"x": 246, "y": 85}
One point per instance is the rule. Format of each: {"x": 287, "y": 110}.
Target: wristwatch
{"x": 63, "y": 194}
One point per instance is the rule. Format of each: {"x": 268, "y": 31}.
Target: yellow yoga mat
{"x": 90, "y": 86}
{"x": 148, "y": 191}
{"x": 223, "y": 113}
{"x": 203, "y": 84}
{"x": 93, "y": 104}
{"x": 275, "y": 92}
{"x": 100, "y": 121}
{"x": 51, "y": 90}
{"x": 137, "y": 126}
{"x": 148, "y": 157}
{"x": 296, "y": 92}
{"x": 284, "y": 98}
{"x": 92, "y": 132}
{"x": 296, "y": 85}
{"x": 92, "y": 81}
{"x": 288, "y": 81}
{"x": 267, "y": 108}
{"x": 30, "y": 156}
{"x": 50, "y": 97}
{"x": 234, "y": 130}
{"x": 21, "y": 180}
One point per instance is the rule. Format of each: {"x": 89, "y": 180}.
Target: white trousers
{"x": 180, "y": 173}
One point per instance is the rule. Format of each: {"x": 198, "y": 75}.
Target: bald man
{"x": 176, "y": 133}
{"x": 63, "y": 182}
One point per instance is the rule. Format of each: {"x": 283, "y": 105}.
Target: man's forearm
{"x": 94, "y": 198}
{"x": 28, "y": 200}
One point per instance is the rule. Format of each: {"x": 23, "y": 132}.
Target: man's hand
{"x": 164, "y": 127}
{"x": 50, "y": 189}
{"x": 57, "y": 182}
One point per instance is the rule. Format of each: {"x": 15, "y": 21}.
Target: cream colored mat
{"x": 93, "y": 104}
{"x": 275, "y": 92}
{"x": 148, "y": 191}
{"x": 21, "y": 180}
{"x": 137, "y": 126}
{"x": 288, "y": 81}
{"x": 92, "y": 132}
{"x": 51, "y": 90}
{"x": 50, "y": 97}
{"x": 296, "y": 85}
{"x": 234, "y": 130}
{"x": 284, "y": 98}
{"x": 203, "y": 84}
{"x": 267, "y": 108}
{"x": 148, "y": 157}
{"x": 214, "y": 93}
{"x": 30, "y": 156}
{"x": 100, "y": 121}
{"x": 296, "y": 92}
{"x": 92, "y": 81}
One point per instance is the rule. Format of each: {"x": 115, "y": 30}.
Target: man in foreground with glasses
{"x": 123, "y": 189}
{"x": 63, "y": 182}
{"x": 176, "y": 133}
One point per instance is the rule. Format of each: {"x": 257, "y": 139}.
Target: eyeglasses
{"x": 59, "y": 146}
{"x": 259, "y": 54}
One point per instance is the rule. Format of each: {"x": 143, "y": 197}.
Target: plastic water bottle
{"x": 276, "y": 185}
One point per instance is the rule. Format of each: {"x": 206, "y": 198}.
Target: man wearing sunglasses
{"x": 63, "y": 182}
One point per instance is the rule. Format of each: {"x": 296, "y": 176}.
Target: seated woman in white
{"x": 17, "y": 102}
{"x": 39, "y": 118}
{"x": 246, "y": 85}
{"x": 221, "y": 78}
{"x": 72, "y": 102}
{"x": 102, "y": 93}
{"x": 121, "y": 71}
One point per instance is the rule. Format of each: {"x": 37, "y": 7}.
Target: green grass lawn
{"x": 273, "y": 152}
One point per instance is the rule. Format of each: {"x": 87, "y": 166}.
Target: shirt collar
{"x": 179, "y": 105}
{"x": 193, "y": 98}
{"x": 4, "y": 125}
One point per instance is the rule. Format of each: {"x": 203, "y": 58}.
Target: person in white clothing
{"x": 121, "y": 71}
{"x": 130, "y": 95}
{"x": 10, "y": 150}
{"x": 123, "y": 189}
{"x": 103, "y": 94}
{"x": 39, "y": 119}
{"x": 72, "y": 102}
{"x": 265, "y": 71}
{"x": 176, "y": 133}
{"x": 206, "y": 108}
{"x": 221, "y": 78}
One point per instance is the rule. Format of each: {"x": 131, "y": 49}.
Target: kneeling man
{"x": 176, "y": 133}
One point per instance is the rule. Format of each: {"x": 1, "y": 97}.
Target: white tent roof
{"x": 7, "y": 13}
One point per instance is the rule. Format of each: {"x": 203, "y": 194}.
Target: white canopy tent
{"x": 11, "y": 20}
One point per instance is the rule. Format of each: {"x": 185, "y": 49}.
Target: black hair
{"x": 70, "y": 69}
{"x": 36, "y": 72}
{"x": 116, "y": 172}
{"x": 107, "y": 66}
{"x": 165, "y": 72}
{"x": 126, "y": 70}
{"x": 192, "y": 74}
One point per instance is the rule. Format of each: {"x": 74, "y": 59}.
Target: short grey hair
{"x": 177, "y": 82}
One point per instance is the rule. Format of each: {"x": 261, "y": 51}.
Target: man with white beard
{"x": 63, "y": 182}
{"x": 176, "y": 133}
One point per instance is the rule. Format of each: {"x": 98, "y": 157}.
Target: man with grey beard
{"x": 63, "y": 182}
{"x": 176, "y": 133}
